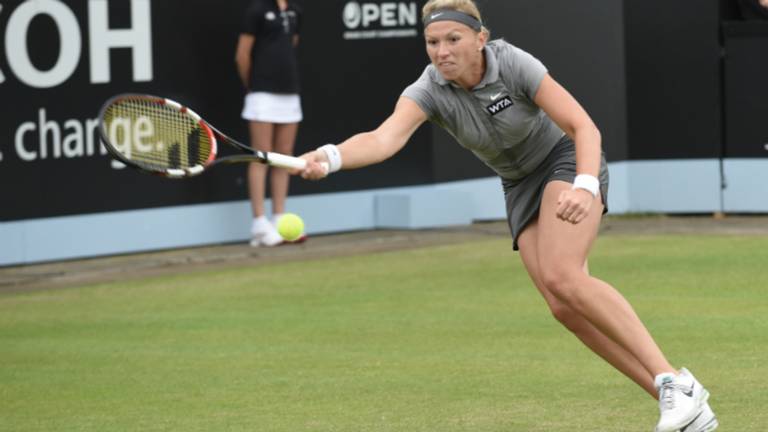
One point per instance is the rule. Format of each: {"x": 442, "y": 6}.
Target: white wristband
{"x": 588, "y": 183}
{"x": 333, "y": 155}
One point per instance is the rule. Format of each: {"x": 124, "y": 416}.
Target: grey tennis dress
{"x": 499, "y": 122}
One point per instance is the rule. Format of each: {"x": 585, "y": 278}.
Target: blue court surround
{"x": 664, "y": 186}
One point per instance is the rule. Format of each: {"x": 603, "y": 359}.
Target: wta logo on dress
{"x": 500, "y": 106}
{"x": 382, "y": 20}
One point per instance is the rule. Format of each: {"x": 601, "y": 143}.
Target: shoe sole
{"x": 702, "y": 400}
{"x": 711, "y": 425}
{"x": 258, "y": 240}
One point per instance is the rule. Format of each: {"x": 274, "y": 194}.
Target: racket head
{"x": 156, "y": 135}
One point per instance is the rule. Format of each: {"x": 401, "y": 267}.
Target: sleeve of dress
{"x": 419, "y": 93}
{"x": 527, "y": 71}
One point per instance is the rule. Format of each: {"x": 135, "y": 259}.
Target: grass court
{"x": 437, "y": 339}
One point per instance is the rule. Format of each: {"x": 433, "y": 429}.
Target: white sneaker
{"x": 681, "y": 400}
{"x": 704, "y": 422}
{"x": 263, "y": 233}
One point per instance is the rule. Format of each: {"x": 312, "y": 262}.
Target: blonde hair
{"x": 466, "y": 6}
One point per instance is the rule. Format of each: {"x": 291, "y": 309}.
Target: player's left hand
{"x": 573, "y": 205}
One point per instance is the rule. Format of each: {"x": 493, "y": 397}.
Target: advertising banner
{"x": 59, "y": 61}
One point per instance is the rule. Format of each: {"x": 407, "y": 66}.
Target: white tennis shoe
{"x": 704, "y": 422}
{"x": 263, "y": 233}
{"x": 681, "y": 400}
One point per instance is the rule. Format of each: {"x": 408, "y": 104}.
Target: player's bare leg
{"x": 589, "y": 335}
{"x": 562, "y": 250}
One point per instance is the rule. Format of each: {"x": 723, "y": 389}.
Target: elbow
{"x": 381, "y": 151}
{"x": 386, "y": 146}
{"x": 593, "y": 135}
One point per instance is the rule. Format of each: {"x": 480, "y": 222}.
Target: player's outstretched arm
{"x": 369, "y": 148}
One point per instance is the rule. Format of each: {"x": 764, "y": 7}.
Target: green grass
{"x": 450, "y": 338}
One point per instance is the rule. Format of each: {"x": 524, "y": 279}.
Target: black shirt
{"x": 274, "y": 67}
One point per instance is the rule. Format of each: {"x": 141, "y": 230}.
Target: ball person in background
{"x": 500, "y": 102}
{"x": 267, "y": 65}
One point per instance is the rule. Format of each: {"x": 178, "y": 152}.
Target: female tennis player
{"x": 500, "y": 102}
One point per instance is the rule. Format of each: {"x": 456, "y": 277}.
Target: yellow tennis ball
{"x": 290, "y": 226}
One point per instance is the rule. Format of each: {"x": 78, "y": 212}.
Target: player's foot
{"x": 263, "y": 233}
{"x": 704, "y": 422}
{"x": 681, "y": 399}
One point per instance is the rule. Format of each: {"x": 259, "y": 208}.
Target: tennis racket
{"x": 160, "y": 136}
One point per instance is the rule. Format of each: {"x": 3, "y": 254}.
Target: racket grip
{"x": 283, "y": 161}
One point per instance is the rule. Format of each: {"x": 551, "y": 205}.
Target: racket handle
{"x": 283, "y": 161}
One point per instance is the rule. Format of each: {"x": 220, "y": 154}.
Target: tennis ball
{"x": 290, "y": 226}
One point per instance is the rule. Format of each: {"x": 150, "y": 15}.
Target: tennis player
{"x": 267, "y": 64}
{"x": 500, "y": 102}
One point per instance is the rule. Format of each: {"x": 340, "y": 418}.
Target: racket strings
{"x": 156, "y": 136}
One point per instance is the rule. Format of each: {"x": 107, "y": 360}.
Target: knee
{"x": 563, "y": 284}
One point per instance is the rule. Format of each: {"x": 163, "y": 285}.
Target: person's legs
{"x": 589, "y": 335}
{"x": 283, "y": 142}
{"x": 562, "y": 252}
{"x": 263, "y": 233}
{"x": 261, "y": 139}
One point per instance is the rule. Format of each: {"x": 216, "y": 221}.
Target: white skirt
{"x": 272, "y": 107}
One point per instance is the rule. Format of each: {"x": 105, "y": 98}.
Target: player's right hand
{"x": 317, "y": 166}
